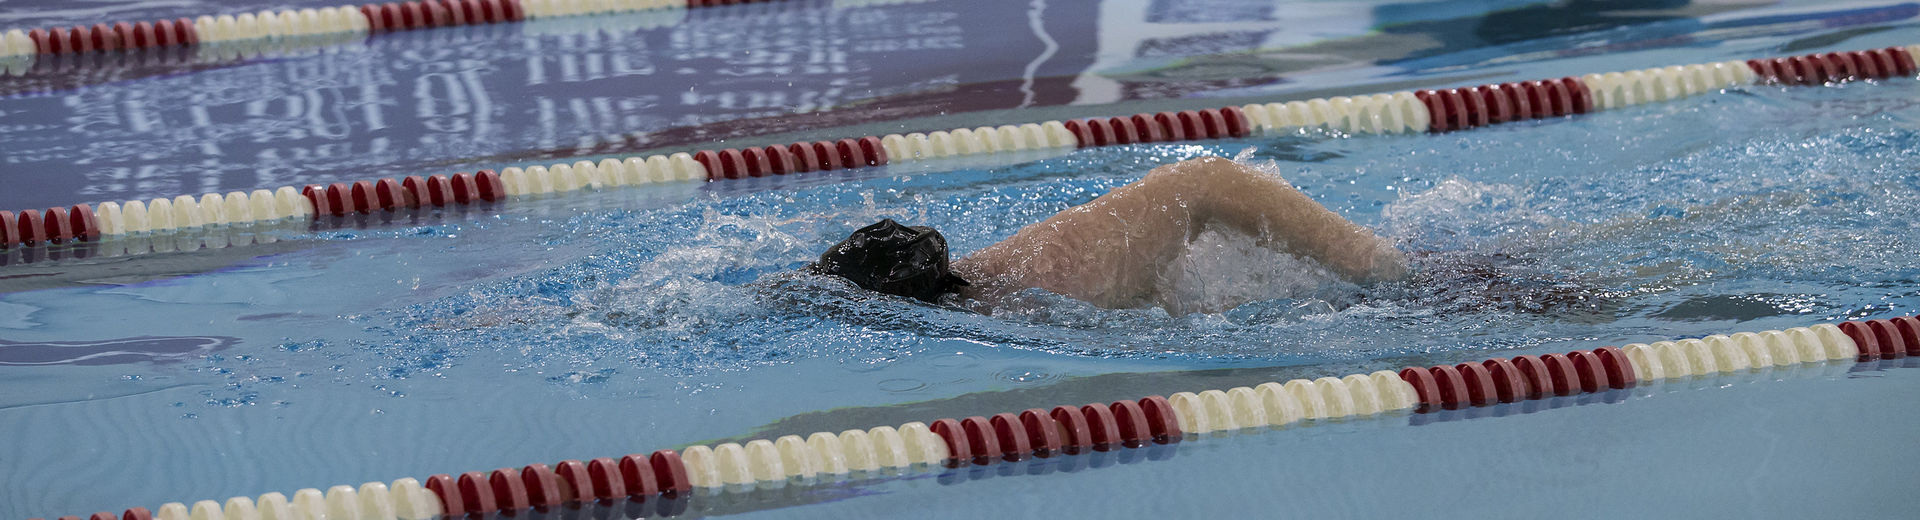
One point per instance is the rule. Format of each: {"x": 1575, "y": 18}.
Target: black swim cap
{"x": 894, "y": 259}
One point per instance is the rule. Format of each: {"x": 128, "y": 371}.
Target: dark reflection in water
{"x": 246, "y": 115}
{"x": 106, "y": 126}
{"x": 150, "y": 349}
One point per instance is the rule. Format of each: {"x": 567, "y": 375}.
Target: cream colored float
{"x": 820, "y": 454}
{"x": 16, "y": 43}
{"x": 1393, "y": 113}
{"x": 1623, "y": 89}
{"x": 186, "y": 212}
{"x": 280, "y": 24}
{"x": 405, "y": 499}
{"x": 1721, "y": 353}
{"x": 1280, "y": 404}
{"x": 961, "y": 142}
{"x": 631, "y": 171}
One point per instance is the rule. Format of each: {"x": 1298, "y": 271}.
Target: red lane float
{"x": 1424, "y": 386}
{"x": 1834, "y": 67}
{"x": 1892, "y": 343}
{"x": 1067, "y": 430}
{"x": 607, "y": 481}
{"x": 1909, "y": 328}
{"x": 1480, "y": 387}
{"x": 49, "y": 226}
{"x": 1864, "y": 338}
{"x": 477, "y": 490}
{"x": 1161, "y": 419}
{"x": 1015, "y": 443}
{"x": 1561, "y": 375}
{"x": 981, "y": 438}
{"x": 1507, "y": 380}
{"x": 1619, "y": 369}
{"x": 671, "y": 473}
{"x": 575, "y": 486}
{"x": 1187, "y": 125}
{"x": 637, "y": 472}
{"x": 1508, "y": 384}
{"x": 1132, "y": 421}
{"x": 1103, "y": 433}
{"x": 1587, "y": 369}
{"x": 340, "y": 198}
{"x": 113, "y": 37}
{"x": 570, "y": 481}
{"x": 732, "y": 163}
{"x": 1473, "y": 107}
{"x": 959, "y": 451}
{"x": 421, "y": 14}
{"x": 1043, "y": 432}
{"x": 1076, "y": 435}
{"x": 451, "y": 501}
{"x": 542, "y": 485}
{"x": 1886, "y": 338}
{"x": 510, "y": 489}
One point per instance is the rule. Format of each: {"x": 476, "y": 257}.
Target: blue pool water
{"x": 630, "y": 320}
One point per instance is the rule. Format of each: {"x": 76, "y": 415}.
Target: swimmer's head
{"x": 894, "y": 259}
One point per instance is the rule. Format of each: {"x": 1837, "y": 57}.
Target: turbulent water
{"x": 1632, "y": 229}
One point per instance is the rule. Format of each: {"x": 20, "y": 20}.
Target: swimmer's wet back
{"x": 894, "y": 259}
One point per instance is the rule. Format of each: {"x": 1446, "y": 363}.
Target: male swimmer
{"x": 1110, "y": 251}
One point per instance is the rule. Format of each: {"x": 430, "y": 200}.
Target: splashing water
{"x": 1581, "y": 243}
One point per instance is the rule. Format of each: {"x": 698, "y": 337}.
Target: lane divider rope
{"x": 825, "y": 457}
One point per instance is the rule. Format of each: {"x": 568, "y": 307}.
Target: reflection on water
{"x": 453, "y": 98}
{"x": 117, "y": 126}
{"x": 111, "y": 352}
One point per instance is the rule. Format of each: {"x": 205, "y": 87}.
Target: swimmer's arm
{"x": 1111, "y": 250}
{"x": 1265, "y": 206}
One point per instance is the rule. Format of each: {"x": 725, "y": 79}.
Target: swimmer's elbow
{"x": 1389, "y": 264}
{"x": 1377, "y": 262}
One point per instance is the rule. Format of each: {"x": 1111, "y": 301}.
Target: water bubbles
{"x": 956, "y": 360}
{"x": 1277, "y": 311}
{"x": 901, "y": 385}
{"x": 1030, "y": 376}
{"x": 1666, "y": 211}
{"x": 1563, "y": 244}
{"x": 1460, "y": 213}
{"x": 1221, "y": 268}
{"x": 580, "y": 377}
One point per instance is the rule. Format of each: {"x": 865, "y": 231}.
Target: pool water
{"x": 630, "y": 320}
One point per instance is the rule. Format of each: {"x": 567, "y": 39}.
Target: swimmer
{"x": 1111, "y": 250}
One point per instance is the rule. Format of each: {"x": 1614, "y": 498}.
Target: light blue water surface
{"x": 630, "y": 320}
